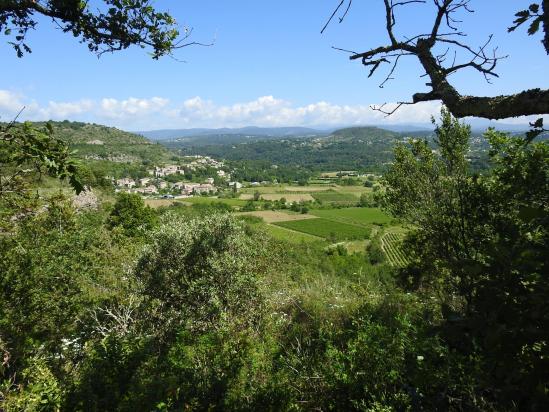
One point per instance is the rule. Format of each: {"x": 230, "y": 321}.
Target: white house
{"x": 126, "y": 182}
{"x": 144, "y": 181}
{"x": 235, "y": 185}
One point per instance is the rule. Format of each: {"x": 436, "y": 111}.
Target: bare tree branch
{"x": 388, "y": 113}
{"x": 444, "y": 32}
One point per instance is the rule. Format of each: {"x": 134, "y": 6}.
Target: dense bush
{"x": 131, "y": 215}
{"x": 375, "y": 252}
{"x": 480, "y": 245}
{"x": 202, "y": 271}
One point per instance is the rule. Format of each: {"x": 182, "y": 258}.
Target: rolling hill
{"x": 97, "y": 142}
{"x": 204, "y": 135}
{"x": 361, "y": 148}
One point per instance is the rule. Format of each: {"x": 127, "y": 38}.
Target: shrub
{"x": 374, "y": 252}
{"x": 202, "y": 270}
{"x": 131, "y": 214}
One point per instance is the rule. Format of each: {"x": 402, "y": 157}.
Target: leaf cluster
{"x": 115, "y": 25}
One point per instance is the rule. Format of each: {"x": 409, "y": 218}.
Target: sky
{"x": 268, "y": 66}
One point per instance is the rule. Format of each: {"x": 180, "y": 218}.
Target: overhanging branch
{"x": 529, "y": 102}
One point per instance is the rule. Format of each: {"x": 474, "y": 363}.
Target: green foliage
{"x": 364, "y": 148}
{"x": 42, "y": 392}
{"x": 532, "y": 13}
{"x": 27, "y": 152}
{"x": 248, "y": 207}
{"x": 123, "y": 23}
{"x": 337, "y": 249}
{"x": 328, "y": 229}
{"x": 480, "y": 244}
{"x": 55, "y": 266}
{"x": 367, "y": 200}
{"x": 131, "y": 215}
{"x": 213, "y": 207}
{"x": 95, "y": 143}
{"x": 391, "y": 361}
{"x": 375, "y": 252}
{"x": 257, "y": 170}
{"x": 202, "y": 270}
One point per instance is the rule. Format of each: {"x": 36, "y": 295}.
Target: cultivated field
{"x": 391, "y": 243}
{"x": 332, "y": 196}
{"x": 306, "y": 189}
{"x": 283, "y": 189}
{"x": 361, "y": 216}
{"x": 355, "y": 190}
{"x": 356, "y": 246}
{"x": 155, "y": 203}
{"x": 271, "y": 216}
{"x": 290, "y": 197}
{"x": 289, "y": 235}
{"x": 327, "y": 229}
{"x": 302, "y": 197}
{"x": 208, "y": 200}
{"x": 323, "y": 192}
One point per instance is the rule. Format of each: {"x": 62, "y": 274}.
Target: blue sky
{"x": 269, "y": 66}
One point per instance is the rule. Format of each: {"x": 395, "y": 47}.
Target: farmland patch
{"x": 391, "y": 243}
{"x": 332, "y": 196}
{"x": 327, "y": 229}
{"x": 361, "y": 216}
{"x": 271, "y": 216}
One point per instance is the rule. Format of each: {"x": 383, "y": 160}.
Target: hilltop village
{"x": 169, "y": 180}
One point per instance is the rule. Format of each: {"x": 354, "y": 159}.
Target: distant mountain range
{"x": 231, "y": 135}
{"x": 354, "y": 148}
{"x": 171, "y": 134}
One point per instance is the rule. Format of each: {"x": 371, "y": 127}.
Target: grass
{"x": 354, "y": 190}
{"x": 281, "y": 233}
{"x": 208, "y": 200}
{"x": 290, "y": 197}
{"x": 332, "y": 196}
{"x": 360, "y": 216}
{"x": 327, "y": 229}
{"x": 156, "y": 203}
{"x": 272, "y": 216}
{"x": 283, "y": 189}
{"x": 356, "y": 246}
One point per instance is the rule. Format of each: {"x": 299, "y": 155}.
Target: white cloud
{"x": 270, "y": 111}
{"x": 157, "y": 112}
{"x": 10, "y": 103}
{"x": 119, "y": 109}
{"x": 61, "y": 110}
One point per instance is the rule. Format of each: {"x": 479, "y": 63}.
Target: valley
{"x": 294, "y": 199}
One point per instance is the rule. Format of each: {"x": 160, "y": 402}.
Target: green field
{"x": 361, "y": 216}
{"x": 331, "y": 196}
{"x": 391, "y": 243}
{"x": 208, "y": 200}
{"x": 283, "y": 189}
{"x": 281, "y": 233}
{"x": 327, "y": 229}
